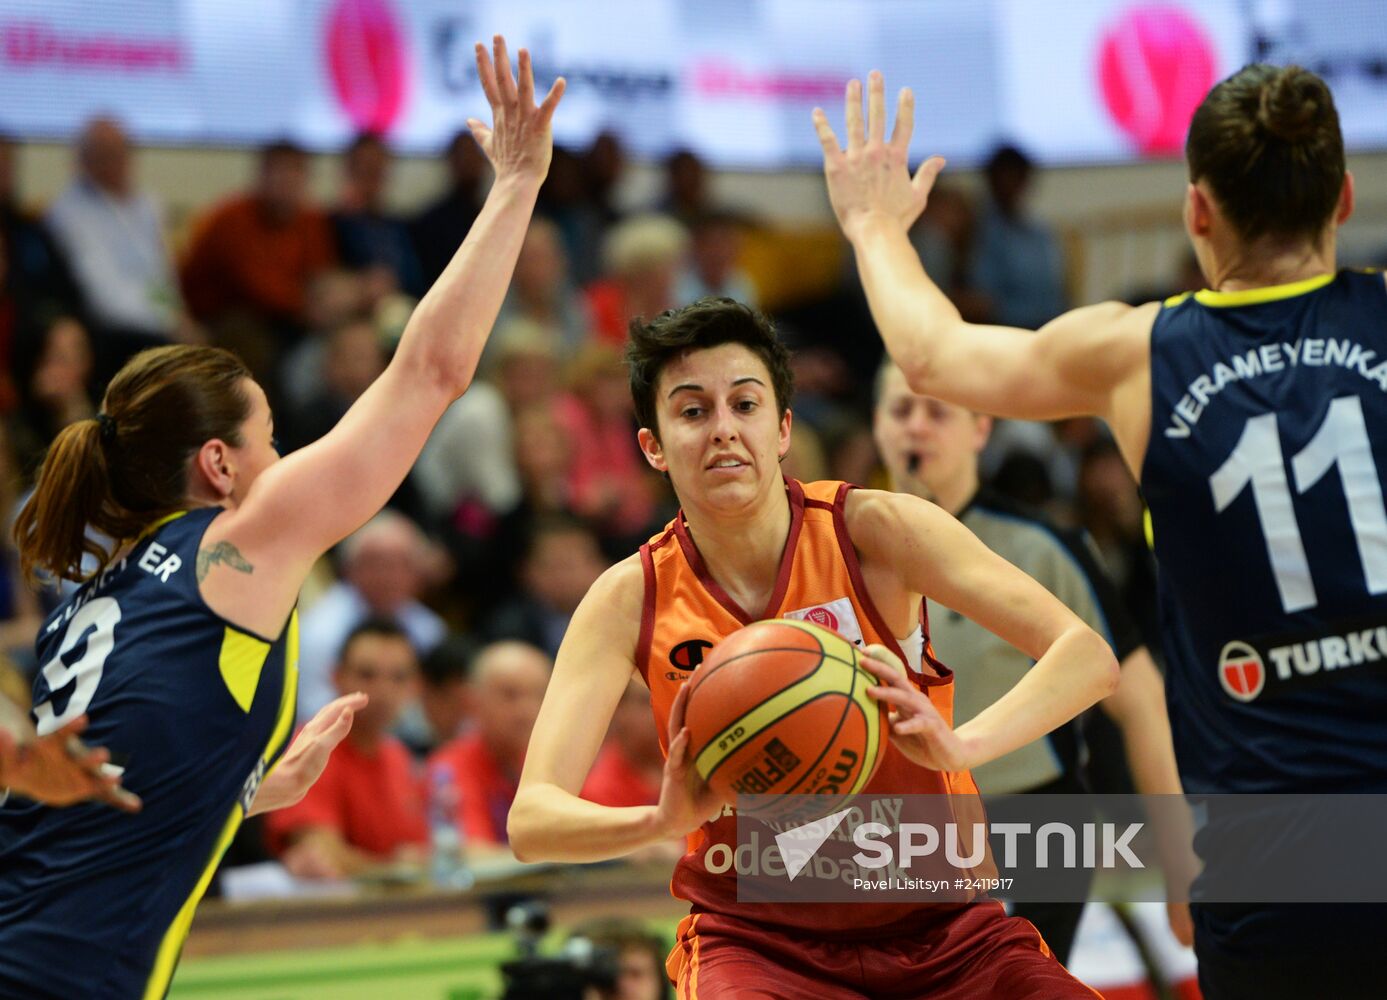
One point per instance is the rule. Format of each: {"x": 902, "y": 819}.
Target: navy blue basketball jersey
{"x": 96, "y": 903}
{"x": 1264, "y": 479}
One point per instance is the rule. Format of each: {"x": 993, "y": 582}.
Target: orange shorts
{"x": 976, "y": 954}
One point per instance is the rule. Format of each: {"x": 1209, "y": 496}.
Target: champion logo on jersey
{"x": 837, "y": 615}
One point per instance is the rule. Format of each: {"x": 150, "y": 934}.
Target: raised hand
{"x": 686, "y": 801}
{"x": 58, "y": 769}
{"x": 917, "y": 728}
{"x": 306, "y": 757}
{"x": 519, "y": 140}
{"x": 871, "y": 177}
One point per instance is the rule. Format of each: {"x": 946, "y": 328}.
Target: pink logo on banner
{"x": 1155, "y": 64}
{"x": 368, "y": 62}
{"x": 822, "y": 616}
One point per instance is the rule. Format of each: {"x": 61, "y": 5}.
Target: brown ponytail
{"x": 125, "y": 469}
{"x": 1267, "y": 140}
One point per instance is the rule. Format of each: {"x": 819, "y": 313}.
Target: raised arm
{"x": 930, "y": 553}
{"x": 1076, "y": 365}
{"x": 548, "y": 821}
{"x": 303, "y": 505}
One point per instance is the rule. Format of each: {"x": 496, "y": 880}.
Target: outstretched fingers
{"x": 853, "y": 114}
{"x": 827, "y": 139}
{"x": 505, "y": 82}
{"x": 551, "y": 101}
{"x": 486, "y": 75}
{"x": 905, "y": 119}
{"x": 927, "y": 174}
{"x": 876, "y": 107}
{"x": 527, "y": 81}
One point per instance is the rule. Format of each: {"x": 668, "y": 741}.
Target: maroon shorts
{"x": 978, "y": 953}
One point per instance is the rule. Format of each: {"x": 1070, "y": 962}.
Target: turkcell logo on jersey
{"x": 1247, "y": 670}
{"x": 1241, "y": 671}
{"x": 836, "y": 615}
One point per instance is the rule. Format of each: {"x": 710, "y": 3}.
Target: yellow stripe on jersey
{"x": 1271, "y": 293}
{"x": 241, "y": 661}
{"x": 151, "y": 529}
{"x": 1176, "y": 299}
{"x": 289, "y": 700}
{"x": 172, "y": 945}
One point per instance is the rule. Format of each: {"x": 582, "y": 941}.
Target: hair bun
{"x": 1292, "y": 103}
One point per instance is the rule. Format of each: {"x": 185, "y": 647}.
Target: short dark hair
{"x": 1008, "y": 157}
{"x": 448, "y": 662}
{"x": 281, "y": 149}
{"x": 709, "y": 322}
{"x": 1267, "y": 140}
{"x": 364, "y": 139}
{"x": 383, "y": 627}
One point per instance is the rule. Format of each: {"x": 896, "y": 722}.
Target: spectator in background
{"x": 565, "y": 201}
{"x": 541, "y": 458}
{"x": 335, "y": 298}
{"x": 542, "y": 292}
{"x": 485, "y": 763}
{"x": 367, "y": 807}
{"x": 251, "y": 259}
{"x": 643, "y": 255}
{"x": 609, "y": 482}
{"x": 55, "y": 371}
{"x": 522, "y": 365}
{"x": 113, "y": 236}
{"x": 444, "y": 705}
{"x": 1112, "y": 512}
{"x": 352, "y": 361}
{"x": 686, "y": 187}
{"x": 603, "y": 166}
{"x": 1017, "y": 261}
{"x": 562, "y": 560}
{"x": 34, "y": 276}
{"x": 640, "y": 956}
{"x": 20, "y": 615}
{"x": 630, "y": 766}
{"x": 369, "y": 237}
{"x": 384, "y": 572}
{"x": 440, "y": 228}
{"x": 712, "y": 269}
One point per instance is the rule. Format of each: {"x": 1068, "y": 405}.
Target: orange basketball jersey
{"x": 686, "y": 612}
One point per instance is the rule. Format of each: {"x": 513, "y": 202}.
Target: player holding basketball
{"x": 1232, "y": 406}
{"x": 181, "y": 650}
{"x": 712, "y": 389}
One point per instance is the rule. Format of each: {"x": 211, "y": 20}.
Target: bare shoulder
{"x": 1119, "y": 330}
{"x": 621, "y": 587}
{"x": 609, "y": 616}
{"x": 880, "y": 522}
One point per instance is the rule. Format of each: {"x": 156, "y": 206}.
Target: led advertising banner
{"x": 1074, "y": 81}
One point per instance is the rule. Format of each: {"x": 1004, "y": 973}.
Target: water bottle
{"x": 447, "y": 863}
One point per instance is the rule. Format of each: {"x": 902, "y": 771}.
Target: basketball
{"x": 781, "y": 708}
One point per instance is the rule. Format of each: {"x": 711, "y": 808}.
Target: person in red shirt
{"x": 368, "y": 807}
{"x": 510, "y": 679}
{"x": 628, "y": 770}
{"x": 251, "y": 259}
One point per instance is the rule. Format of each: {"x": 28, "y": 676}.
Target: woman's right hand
{"x": 686, "y": 800}
{"x": 519, "y": 142}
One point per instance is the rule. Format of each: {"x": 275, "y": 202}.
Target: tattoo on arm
{"x": 224, "y": 553}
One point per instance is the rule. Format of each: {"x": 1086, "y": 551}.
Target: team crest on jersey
{"x": 1241, "y": 671}
{"x": 836, "y": 615}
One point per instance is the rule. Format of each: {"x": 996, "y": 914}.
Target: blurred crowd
{"x": 449, "y": 606}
